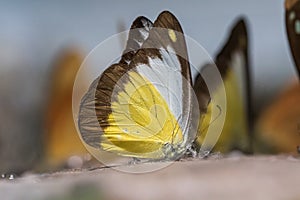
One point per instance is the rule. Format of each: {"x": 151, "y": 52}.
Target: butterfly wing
{"x": 292, "y": 21}
{"x": 137, "y": 113}
{"x": 277, "y": 129}
{"x": 167, "y": 66}
{"x": 139, "y": 32}
{"x": 61, "y": 139}
{"x": 233, "y": 65}
{"x": 100, "y": 91}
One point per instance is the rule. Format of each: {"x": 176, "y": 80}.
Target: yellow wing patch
{"x": 172, "y": 35}
{"x": 140, "y": 123}
{"x": 234, "y": 133}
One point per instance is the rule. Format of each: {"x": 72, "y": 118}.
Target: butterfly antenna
{"x": 117, "y": 165}
{"x": 219, "y": 114}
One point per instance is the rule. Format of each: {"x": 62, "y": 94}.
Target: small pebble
{"x": 11, "y": 177}
{"x": 75, "y": 162}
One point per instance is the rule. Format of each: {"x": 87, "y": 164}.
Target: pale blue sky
{"x": 31, "y": 32}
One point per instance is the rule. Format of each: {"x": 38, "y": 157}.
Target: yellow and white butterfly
{"x": 144, "y": 105}
{"x": 233, "y": 65}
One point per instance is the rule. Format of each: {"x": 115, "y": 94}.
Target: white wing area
{"x": 238, "y": 65}
{"x": 165, "y": 74}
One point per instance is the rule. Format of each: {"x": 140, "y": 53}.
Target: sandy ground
{"x": 235, "y": 177}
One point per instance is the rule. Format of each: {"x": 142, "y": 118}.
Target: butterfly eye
{"x": 297, "y": 26}
{"x": 292, "y": 16}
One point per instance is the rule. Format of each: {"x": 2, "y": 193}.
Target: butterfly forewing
{"x": 99, "y": 94}
{"x": 234, "y": 56}
{"x": 234, "y": 61}
{"x": 139, "y": 32}
{"x": 163, "y": 60}
{"x": 292, "y": 20}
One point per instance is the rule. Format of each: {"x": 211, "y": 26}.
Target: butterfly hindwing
{"x": 100, "y": 91}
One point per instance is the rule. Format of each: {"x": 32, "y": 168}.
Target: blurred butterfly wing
{"x": 61, "y": 140}
{"x": 278, "y": 126}
{"x": 292, "y": 21}
{"x": 277, "y": 129}
{"x": 232, "y": 62}
{"x": 211, "y": 112}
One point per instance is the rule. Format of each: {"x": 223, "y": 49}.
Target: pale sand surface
{"x": 235, "y": 177}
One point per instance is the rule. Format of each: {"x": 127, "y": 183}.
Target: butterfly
{"x": 61, "y": 138}
{"x": 233, "y": 64}
{"x": 292, "y": 22}
{"x": 142, "y": 106}
{"x": 278, "y": 127}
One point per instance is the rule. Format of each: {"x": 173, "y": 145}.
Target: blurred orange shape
{"x": 279, "y": 126}
{"x": 62, "y": 140}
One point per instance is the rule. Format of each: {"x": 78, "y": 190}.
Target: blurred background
{"x": 39, "y": 39}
